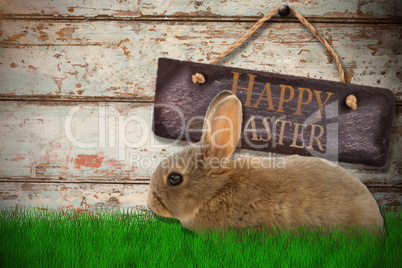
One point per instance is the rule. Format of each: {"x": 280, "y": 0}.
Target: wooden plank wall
{"x": 77, "y": 82}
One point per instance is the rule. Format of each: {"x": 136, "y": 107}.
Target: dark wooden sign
{"x": 281, "y": 113}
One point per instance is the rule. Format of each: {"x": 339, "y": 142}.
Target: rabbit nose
{"x": 150, "y": 194}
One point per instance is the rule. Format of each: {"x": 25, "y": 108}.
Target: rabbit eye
{"x": 174, "y": 179}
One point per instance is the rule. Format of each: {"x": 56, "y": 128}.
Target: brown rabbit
{"x": 205, "y": 189}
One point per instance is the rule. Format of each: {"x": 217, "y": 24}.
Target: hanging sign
{"x": 281, "y": 113}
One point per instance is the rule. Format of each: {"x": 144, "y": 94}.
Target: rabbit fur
{"x": 307, "y": 192}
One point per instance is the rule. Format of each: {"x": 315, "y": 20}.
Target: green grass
{"x": 37, "y": 238}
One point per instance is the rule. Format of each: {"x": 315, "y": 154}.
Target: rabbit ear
{"x": 220, "y": 96}
{"x": 222, "y": 126}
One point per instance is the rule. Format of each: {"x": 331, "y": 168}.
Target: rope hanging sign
{"x": 281, "y": 113}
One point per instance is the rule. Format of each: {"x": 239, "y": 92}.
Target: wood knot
{"x": 198, "y": 78}
{"x": 351, "y": 102}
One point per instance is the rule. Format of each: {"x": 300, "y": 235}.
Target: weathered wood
{"x": 37, "y": 143}
{"x": 57, "y": 55}
{"x": 201, "y": 19}
{"x": 84, "y": 99}
{"x": 75, "y": 140}
{"x": 337, "y": 8}
{"x": 119, "y": 59}
{"x": 95, "y": 195}
{"x": 76, "y": 98}
{"x": 59, "y": 195}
